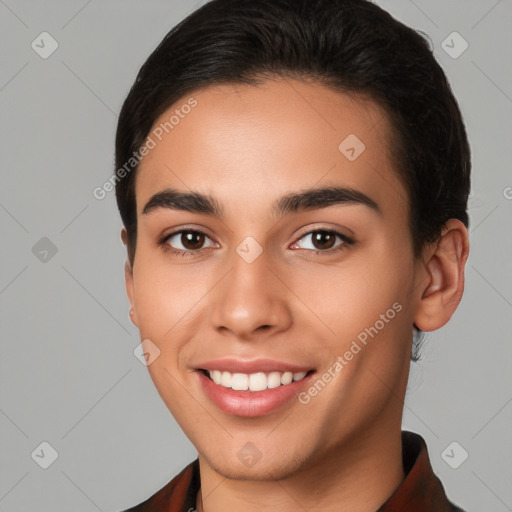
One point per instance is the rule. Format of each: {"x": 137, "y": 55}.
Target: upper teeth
{"x": 255, "y": 381}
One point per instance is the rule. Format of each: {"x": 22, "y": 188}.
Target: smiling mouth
{"x": 258, "y": 381}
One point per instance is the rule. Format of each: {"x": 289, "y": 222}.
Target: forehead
{"x": 252, "y": 144}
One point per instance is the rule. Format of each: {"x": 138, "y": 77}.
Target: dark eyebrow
{"x": 194, "y": 202}
{"x": 311, "y": 199}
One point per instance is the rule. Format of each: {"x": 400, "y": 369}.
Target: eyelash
{"x": 178, "y": 252}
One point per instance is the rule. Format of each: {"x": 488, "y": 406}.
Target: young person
{"x": 292, "y": 177}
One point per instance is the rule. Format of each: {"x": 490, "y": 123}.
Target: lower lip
{"x": 251, "y": 404}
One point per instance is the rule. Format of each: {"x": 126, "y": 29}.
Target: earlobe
{"x": 441, "y": 277}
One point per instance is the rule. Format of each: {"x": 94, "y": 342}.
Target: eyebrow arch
{"x": 310, "y": 199}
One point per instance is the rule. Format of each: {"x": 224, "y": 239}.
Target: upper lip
{"x": 251, "y": 366}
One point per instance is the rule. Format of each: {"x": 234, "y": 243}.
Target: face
{"x": 249, "y": 288}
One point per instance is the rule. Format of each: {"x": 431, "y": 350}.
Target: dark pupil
{"x": 192, "y": 240}
{"x": 323, "y": 237}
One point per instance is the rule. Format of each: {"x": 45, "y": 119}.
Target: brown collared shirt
{"x": 420, "y": 491}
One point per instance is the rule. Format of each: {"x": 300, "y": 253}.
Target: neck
{"x": 357, "y": 477}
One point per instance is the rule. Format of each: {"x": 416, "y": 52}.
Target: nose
{"x": 252, "y": 300}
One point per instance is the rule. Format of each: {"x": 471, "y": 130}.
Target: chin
{"x": 277, "y": 466}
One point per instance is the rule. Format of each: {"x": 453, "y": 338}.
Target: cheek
{"x": 366, "y": 357}
{"x": 164, "y": 294}
{"x": 365, "y": 305}
{"x": 349, "y": 298}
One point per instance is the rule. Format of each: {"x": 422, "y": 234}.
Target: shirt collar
{"x": 420, "y": 490}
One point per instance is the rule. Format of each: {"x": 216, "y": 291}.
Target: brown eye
{"x": 187, "y": 241}
{"x": 192, "y": 240}
{"x": 323, "y": 239}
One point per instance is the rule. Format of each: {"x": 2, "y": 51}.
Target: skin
{"x": 247, "y": 146}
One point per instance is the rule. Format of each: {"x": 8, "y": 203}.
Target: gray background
{"x": 68, "y": 373}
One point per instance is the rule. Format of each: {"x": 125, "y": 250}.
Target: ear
{"x": 440, "y": 277}
{"x": 128, "y": 279}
